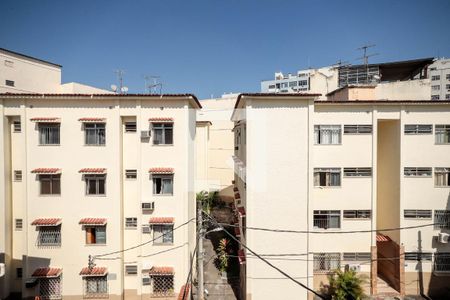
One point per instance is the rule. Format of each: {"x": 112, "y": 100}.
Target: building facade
{"x": 97, "y": 195}
{"x": 324, "y": 184}
{"x": 440, "y": 79}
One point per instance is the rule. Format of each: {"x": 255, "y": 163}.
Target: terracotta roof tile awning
{"x": 47, "y": 222}
{"x": 161, "y": 120}
{"x": 235, "y": 189}
{"x": 161, "y": 271}
{"x": 237, "y": 196}
{"x": 241, "y": 256}
{"x": 45, "y": 120}
{"x": 46, "y": 171}
{"x": 47, "y": 272}
{"x": 161, "y": 170}
{"x": 93, "y": 171}
{"x": 241, "y": 211}
{"x": 93, "y": 221}
{"x": 184, "y": 292}
{"x": 383, "y": 238}
{"x": 161, "y": 220}
{"x": 92, "y": 120}
{"x": 95, "y": 271}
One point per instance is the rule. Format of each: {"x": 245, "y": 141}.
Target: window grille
{"x": 162, "y": 184}
{"x": 442, "y": 219}
{"x": 357, "y": 129}
{"x": 442, "y": 262}
{"x": 327, "y": 134}
{"x": 162, "y": 133}
{"x": 131, "y": 269}
{"x": 357, "y": 172}
{"x": 326, "y": 262}
{"x": 17, "y": 175}
{"x": 130, "y": 127}
{"x": 442, "y": 134}
{"x": 95, "y": 286}
{"x": 49, "y": 133}
{"x": 417, "y": 213}
{"x": 357, "y": 256}
{"x": 442, "y": 176}
{"x": 131, "y": 223}
{"x": 418, "y": 256}
{"x": 95, "y": 184}
{"x": 130, "y": 174}
{"x": 162, "y": 286}
{"x": 19, "y": 224}
{"x": 327, "y": 219}
{"x": 50, "y": 288}
{"x": 50, "y": 184}
{"x": 417, "y": 172}
{"x": 49, "y": 236}
{"x": 357, "y": 214}
{"x": 95, "y": 133}
{"x": 162, "y": 234}
{"x": 327, "y": 177}
{"x": 418, "y": 129}
{"x": 17, "y": 126}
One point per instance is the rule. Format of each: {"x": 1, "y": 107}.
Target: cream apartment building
{"x": 331, "y": 175}
{"x": 107, "y": 176}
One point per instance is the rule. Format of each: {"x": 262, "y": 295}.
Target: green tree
{"x": 208, "y": 200}
{"x": 346, "y": 285}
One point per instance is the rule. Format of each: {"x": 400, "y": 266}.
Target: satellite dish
{"x": 124, "y": 89}
{"x": 113, "y": 87}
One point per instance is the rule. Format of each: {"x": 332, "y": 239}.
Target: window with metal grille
{"x": 95, "y": 133}
{"x": 357, "y": 256}
{"x": 49, "y": 236}
{"x": 50, "y": 184}
{"x": 292, "y": 83}
{"x": 418, "y": 129}
{"x": 442, "y": 134}
{"x": 131, "y": 223}
{"x": 131, "y": 269}
{"x": 417, "y": 171}
{"x": 50, "y": 288}
{"x": 357, "y": 214}
{"x": 416, "y": 256}
{"x": 162, "y": 133}
{"x": 95, "y": 234}
{"x": 442, "y": 262}
{"x": 162, "y": 286}
{"x": 357, "y": 129}
{"x": 95, "y": 286}
{"x": 9, "y": 82}
{"x": 130, "y": 127}
{"x": 441, "y": 219}
{"x": 19, "y": 224}
{"x": 95, "y": 184}
{"x": 162, "y": 184}
{"x": 327, "y": 219}
{"x": 162, "y": 234}
{"x": 303, "y": 82}
{"x": 17, "y": 175}
{"x": 327, "y": 134}
{"x": 325, "y": 262}
{"x": 357, "y": 172}
{"x": 19, "y": 272}
{"x": 17, "y": 126}
{"x": 442, "y": 176}
{"x": 49, "y": 133}
{"x": 130, "y": 174}
{"x": 417, "y": 213}
{"x": 327, "y": 177}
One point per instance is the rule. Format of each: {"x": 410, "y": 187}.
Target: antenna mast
{"x": 365, "y": 58}
{"x": 153, "y": 85}
{"x": 121, "y": 89}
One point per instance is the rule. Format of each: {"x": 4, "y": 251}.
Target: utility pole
{"x": 201, "y": 286}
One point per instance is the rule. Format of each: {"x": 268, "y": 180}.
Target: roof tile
{"x": 46, "y": 171}
{"x": 95, "y": 271}
{"x": 47, "y": 272}
{"x": 46, "y": 222}
{"x": 162, "y": 220}
{"x": 93, "y": 170}
{"x": 93, "y": 221}
{"x": 161, "y": 271}
{"x": 160, "y": 170}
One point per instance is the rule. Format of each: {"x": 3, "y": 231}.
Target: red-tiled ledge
{"x": 45, "y": 120}
{"x": 241, "y": 211}
{"x": 235, "y": 189}
{"x": 93, "y": 170}
{"x": 161, "y": 271}
{"x": 237, "y": 196}
{"x": 95, "y": 271}
{"x": 161, "y": 119}
{"x": 46, "y": 171}
{"x": 47, "y": 272}
{"x": 93, "y": 120}
{"x": 241, "y": 256}
{"x": 160, "y": 170}
{"x": 46, "y": 222}
{"x": 161, "y": 220}
{"x": 184, "y": 292}
{"x": 383, "y": 238}
{"x": 93, "y": 221}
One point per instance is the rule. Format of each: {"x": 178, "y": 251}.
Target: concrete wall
{"x": 418, "y": 89}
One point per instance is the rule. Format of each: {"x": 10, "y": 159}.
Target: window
{"x": 95, "y": 234}
{"x": 435, "y": 87}
{"x": 131, "y": 223}
{"x": 17, "y": 175}
{"x": 357, "y": 214}
{"x": 131, "y": 269}
{"x": 95, "y": 184}
{"x": 50, "y": 184}
{"x": 417, "y": 213}
{"x": 417, "y": 172}
{"x": 327, "y": 219}
{"x": 357, "y": 129}
{"x": 442, "y": 261}
{"x": 418, "y": 129}
{"x": 447, "y": 76}
{"x": 416, "y": 256}
{"x": 19, "y": 272}
{"x": 50, "y": 288}
{"x": 447, "y": 96}
{"x": 436, "y": 77}
{"x": 442, "y": 177}
{"x": 49, "y": 133}
{"x": 327, "y": 177}
{"x": 162, "y": 133}
{"x": 49, "y": 236}
{"x": 292, "y": 83}
{"x": 357, "y": 172}
{"x": 95, "y": 133}
{"x": 441, "y": 219}
{"x": 357, "y": 256}
{"x": 95, "y": 286}
{"x": 130, "y": 174}
{"x": 19, "y": 224}
{"x": 303, "y": 82}
{"x": 434, "y": 97}
{"x": 9, "y": 82}
{"x": 163, "y": 285}
{"x": 272, "y": 86}
{"x": 130, "y": 126}
{"x": 162, "y": 234}
{"x": 324, "y": 262}
{"x": 327, "y": 134}
{"x": 447, "y": 86}
{"x": 17, "y": 126}
{"x": 162, "y": 184}
{"x": 442, "y": 134}
{"x": 284, "y": 85}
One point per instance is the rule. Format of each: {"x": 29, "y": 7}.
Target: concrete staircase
{"x": 385, "y": 291}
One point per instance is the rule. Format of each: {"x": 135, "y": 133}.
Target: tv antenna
{"x": 153, "y": 85}
{"x": 366, "y": 56}
{"x": 121, "y": 89}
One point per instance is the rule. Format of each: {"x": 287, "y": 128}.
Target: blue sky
{"x": 210, "y": 47}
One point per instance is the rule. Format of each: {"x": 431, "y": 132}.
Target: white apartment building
{"x": 440, "y": 79}
{"x": 108, "y": 176}
{"x": 322, "y": 170}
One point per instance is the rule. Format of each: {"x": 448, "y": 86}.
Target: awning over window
{"x": 46, "y": 120}
{"x": 92, "y": 120}
{"x": 95, "y": 271}
{"x": 161, "y": 220}
{"x": 161, "y": 120}
{"x": 46, "y": 222}
{"x": 93, "y": 221}
{"x": 93, "y": 171}
{"x": 160, "y": 170}
{"x": 241, "y": 256}
{"x": 383, "y": 238}
{"x": 161, "y": 271}
{"x": 47, "y": 272}
{"x": 46, "y": 171}
{"x": 241, "y": 211}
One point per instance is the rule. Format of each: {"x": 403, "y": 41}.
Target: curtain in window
{"x": 100, "y": 235}
{"x": 158, "y": 136}
{"x": 327, "y": 134}
{"x": 167, "y": 186}
{"x": 49, "y": 134}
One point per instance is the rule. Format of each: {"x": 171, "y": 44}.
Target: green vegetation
{"x": 346, "y": 285}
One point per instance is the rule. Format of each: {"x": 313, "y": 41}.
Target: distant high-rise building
{"x": 440, "y": 79}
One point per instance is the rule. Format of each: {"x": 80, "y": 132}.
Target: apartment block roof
{"x": 384, "y": 102}
{"x": 28, "y": 57}
{"x": 284, "y": 95}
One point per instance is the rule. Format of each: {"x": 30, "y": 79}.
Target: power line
{"x": 189, "y": 277}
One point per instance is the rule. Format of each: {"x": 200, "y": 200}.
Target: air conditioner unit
{"x": 146, "y": 281}
{"x": 148, "y": 207}
{"x": 146, "y": 228}
{"x": 443, "y": 238}
{"x": 145, "y": 134}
